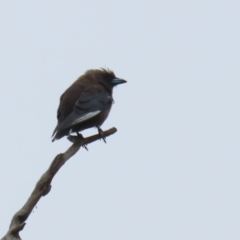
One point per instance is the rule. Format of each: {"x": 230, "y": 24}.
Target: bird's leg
{"x": 81, "y": 136}
{"x": 100, "y": 131}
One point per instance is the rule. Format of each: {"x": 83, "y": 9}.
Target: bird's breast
{"x": 102, "y": 116}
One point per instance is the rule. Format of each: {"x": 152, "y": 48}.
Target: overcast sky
{"x": 171, "y": 172}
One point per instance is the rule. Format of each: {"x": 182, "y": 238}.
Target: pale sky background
{"x": 171, "y": 172}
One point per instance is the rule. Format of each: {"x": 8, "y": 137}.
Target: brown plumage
{"x": 86, "y": 103}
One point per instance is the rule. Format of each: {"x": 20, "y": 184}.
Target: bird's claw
{"x": 100, "y": 131}
{"x": 85, "y": 146}
{"x": 81, "y": 136}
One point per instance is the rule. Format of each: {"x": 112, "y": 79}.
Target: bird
{"x": 86, "y": 103}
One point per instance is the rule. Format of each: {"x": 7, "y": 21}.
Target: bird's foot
{"x": 100, "y": 131}
{"x": 80, "y": 136}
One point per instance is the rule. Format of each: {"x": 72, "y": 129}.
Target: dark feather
{"x": 86, "y": 103}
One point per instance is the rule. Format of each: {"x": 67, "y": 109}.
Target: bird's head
{"x": 105, "y": 76}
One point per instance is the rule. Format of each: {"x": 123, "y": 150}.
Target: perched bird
{"x": 86, "y": 103}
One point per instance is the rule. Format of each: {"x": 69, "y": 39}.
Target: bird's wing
{"x": 87, "y": 106}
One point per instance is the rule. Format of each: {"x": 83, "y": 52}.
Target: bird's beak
{"x": 117, "y": 81}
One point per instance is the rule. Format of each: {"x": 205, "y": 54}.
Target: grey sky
{"x": 171, "y": 171}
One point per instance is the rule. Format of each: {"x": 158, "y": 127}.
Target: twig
{"x": 43, "y": 185}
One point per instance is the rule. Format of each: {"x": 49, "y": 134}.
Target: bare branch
{"x": 43, "y": 185}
